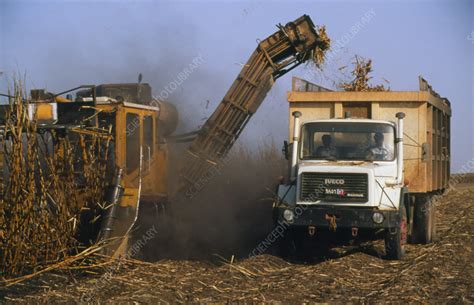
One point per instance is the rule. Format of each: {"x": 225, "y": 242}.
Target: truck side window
{"x": 133, "y": 131}
{"x": 147, "y": 139}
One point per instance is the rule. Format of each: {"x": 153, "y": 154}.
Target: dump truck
{"x": 363, "y": 165}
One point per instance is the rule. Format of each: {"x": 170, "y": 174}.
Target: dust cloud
{"x": 229, "y": 216}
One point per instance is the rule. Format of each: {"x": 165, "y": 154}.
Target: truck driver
{"x": 327, "y": 150}
{"x": 379, "y": 152}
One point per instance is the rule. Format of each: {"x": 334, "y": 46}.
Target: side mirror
{"x": 285, "y": 149}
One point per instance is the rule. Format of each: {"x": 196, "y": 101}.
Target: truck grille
{"x": 334, "y": 187}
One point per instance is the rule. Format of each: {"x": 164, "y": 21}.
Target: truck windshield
{"x": 347, "y": 141}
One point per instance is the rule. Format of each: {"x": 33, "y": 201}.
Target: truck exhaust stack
{"x": 400, "y": 116}
{"x": 399, "y": 140}
{"x": 294, "y": 153}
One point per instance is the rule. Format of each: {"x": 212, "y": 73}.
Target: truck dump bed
{"x": 427, "y": 148}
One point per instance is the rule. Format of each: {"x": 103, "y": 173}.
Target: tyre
{"x": 396, "y": 238}
{"x": 292, "y": 245}
{"x": 287, "y": 246}
{"x": 424, "y": 227}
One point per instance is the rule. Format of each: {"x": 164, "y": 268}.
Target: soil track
{"x": 438, "y": 272}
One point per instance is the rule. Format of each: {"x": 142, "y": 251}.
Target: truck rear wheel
{"x": 396, "y": 238}
{"x": 424, "y": 226}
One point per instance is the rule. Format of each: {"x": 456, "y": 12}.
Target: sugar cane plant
{"x": 52, "y": 182}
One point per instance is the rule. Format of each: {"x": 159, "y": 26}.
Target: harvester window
{"x": 132, "y": 142}
{"x": 147, "y": 139}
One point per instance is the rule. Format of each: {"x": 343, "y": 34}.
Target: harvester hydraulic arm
{"x": 292, "y": 45}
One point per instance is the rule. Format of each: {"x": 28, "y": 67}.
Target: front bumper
{"x": 346, "y": 217}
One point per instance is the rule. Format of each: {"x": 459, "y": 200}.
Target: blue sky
{"x": 62, "y": 44}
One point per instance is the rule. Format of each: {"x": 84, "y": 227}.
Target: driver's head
{"x": 326, "y": 140}
{"x": 378, "y": 138}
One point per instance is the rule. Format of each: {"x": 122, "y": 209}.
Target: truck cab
{"x": 345, "y": 177}
{"x": 343, "y": 155}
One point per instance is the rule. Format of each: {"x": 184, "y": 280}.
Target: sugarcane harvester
{"x": 292, "y": 45}
{"x": 139, "y": 127}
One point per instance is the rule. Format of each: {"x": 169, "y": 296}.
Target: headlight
{"x": 288, "y": 215}
{"x": 377, "y": 217}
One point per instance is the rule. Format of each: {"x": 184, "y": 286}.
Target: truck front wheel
{"x": 287, "y": 246}
{"x": 292, "y": 245}
{"x": 396, "y": 238}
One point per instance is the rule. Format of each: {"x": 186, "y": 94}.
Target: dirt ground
{"x": 440, "y": 272}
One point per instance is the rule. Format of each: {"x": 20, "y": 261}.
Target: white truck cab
{"x": 346, "y": 173}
